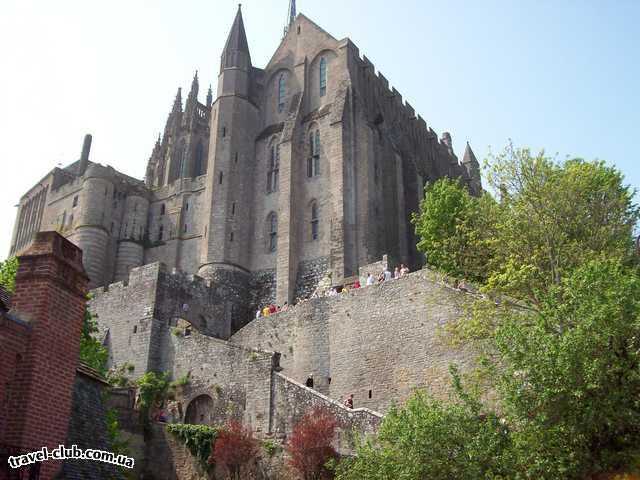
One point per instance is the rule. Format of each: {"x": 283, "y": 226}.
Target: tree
{"x": 454, "y": 229}
{"x": 310, "y": 446}
{"x": 430, "y": 439}
{"x": 555, "y": 217}
{"x": 8, "y": 270}
{"x": 233, "y": 448}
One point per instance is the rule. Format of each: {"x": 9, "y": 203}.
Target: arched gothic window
{"x": 272, "y": 225}
{"x": 313, "y": 162}
{"x": 314, "y": 221}
{"x": 323, "y": 77}
{"x": 274, "y": 168}
{"x": 282, "y": 91}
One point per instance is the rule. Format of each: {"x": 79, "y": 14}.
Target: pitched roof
{"x": 237, "y": 40}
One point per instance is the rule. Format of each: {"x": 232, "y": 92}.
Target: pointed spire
{"x": 195, "y": 86}
{"x": 209, "y": 97}
{"x": 291, "y": 15}
{"x": 177, "y": 103}
{"x": 469, "y": 156}
{"x": 237, "y": 46}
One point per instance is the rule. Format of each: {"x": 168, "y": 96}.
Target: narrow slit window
{"x": 323, "y": 77}
{"x": 282, "y": 91}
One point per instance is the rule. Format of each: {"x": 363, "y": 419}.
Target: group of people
{"x": 386, "y": 275}
{"x": 271, "y": 309}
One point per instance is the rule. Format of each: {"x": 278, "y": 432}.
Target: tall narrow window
{"x": 323, "y": 77}
{"x": 75, "y": 201}
{"x": 160, "y": 233}
{"x": 314, "y": 221}
{"x": 162, "y": 209}
{"x": 274, "y": 168}
{"x": 282, "y": 91}
{"x": 313, "y": 162}
{"x": 272, "y": 223}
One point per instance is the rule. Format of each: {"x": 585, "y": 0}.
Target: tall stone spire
{"x": 195, "y": 86}
{"x": 236, "y": 50}
{"x": 177, "y": 103}
{"x": 471, "y": 165}
{"x": 291, "y": 15}
{"x": 469, "y": 156}
{"x": 209, "y": 97}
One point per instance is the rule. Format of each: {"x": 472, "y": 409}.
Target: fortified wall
{"x": 378, "y": 343}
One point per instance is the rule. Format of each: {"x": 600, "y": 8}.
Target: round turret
{"x": 132, "y": 236}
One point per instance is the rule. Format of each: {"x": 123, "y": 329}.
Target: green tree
{"x": 430, "y": 439}
{"x": 8, "y": 270}
{"x": 455, "y": 229}
{"x": 554, "y": 217}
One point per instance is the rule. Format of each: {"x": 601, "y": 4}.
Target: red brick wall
{"x": 50, "y": 295}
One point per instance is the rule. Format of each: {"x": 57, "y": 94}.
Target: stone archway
{"x": 200, "y": 411}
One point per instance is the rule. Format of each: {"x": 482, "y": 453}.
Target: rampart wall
{"x": 378, "y": 342}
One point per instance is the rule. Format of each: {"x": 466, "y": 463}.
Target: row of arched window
{"x": 272, "y": 226}
{"x": 313, "y": 161}
{"x": 282, "y": 85}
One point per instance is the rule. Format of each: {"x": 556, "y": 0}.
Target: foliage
{"x": 197, "y": 438}
{"x": 92, "y": 351}
{"x": 117, "y": 376}
{"x": 8, "y": 270}
{"x": 233, "y": 448}
{"x": 560, "y": 327}
{"x": 152, "y": 388}
{"x": 180, "y": 382}
{"x": 270, "y": 447}
{"x": 309, "y": 446}
{"x": 555, "y": 217}
{"x": 454, "y": 229}
{"x": 431, "y": 439}
{"x": 571, "y": 381}
{"x": 117, "y": 444}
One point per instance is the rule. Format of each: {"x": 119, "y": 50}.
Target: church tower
{"x": 228, "y": 196}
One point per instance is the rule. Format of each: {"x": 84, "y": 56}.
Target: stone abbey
{"x": 301, "y": 171}
{"x": 295, "y": 178}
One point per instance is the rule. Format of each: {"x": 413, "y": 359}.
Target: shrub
{"x": 233, "y": 448}
{"x": 310, "y": 447}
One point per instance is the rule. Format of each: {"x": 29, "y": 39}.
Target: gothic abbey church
{"x": 296, "y": 174}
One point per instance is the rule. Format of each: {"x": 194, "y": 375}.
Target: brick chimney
{"x": 50, "y": 295}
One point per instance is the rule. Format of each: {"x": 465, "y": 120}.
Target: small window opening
{"x": 75, "y": 201}
{"x": 135, "y": 329}
{"x": 369, "y": 393}
{"x": 231, "y": 237}
{"x": 186, "y": 206}
{"x": 233, "y": 208}
{"x": 185, "y": 228}
{"x": 224, "y": 131}
{"x": 220, "y": 178}
{"x": 162, "y": 209}
{"x": 236, "y": 159}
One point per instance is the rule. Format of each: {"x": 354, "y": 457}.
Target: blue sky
{"x": 559, "y": 75}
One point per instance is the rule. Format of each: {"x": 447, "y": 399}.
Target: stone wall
{"x": 88, "y": 429}
{"x": 378, "y": 342}
{"x": 292, "y": 400}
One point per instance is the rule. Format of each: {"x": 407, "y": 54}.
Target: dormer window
{"x": 282, "y": 92}
{"x": 323, "y": 77}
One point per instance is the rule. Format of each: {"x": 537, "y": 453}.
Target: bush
{"x": 234, "y": 447}
{"x": 310, "y": 446}
{"x": 197, "y": 438}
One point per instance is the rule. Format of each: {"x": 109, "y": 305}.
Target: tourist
{"x": 309, "y": 382}
{"x": 258, "y": 314}
{"x": 357, "y": 284}
{"x": 349, "y": 401}
{"x": 370, "y": 280}
{"x": 272, "y": 309}
{"x": 387, "y": 274}
{"x": 381, "y": 277}
{"x": 266, "y": 312}
{"x": 403, "y": 270}
{"x": 396, "y": 273}
{"x": 285, "y": 307}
